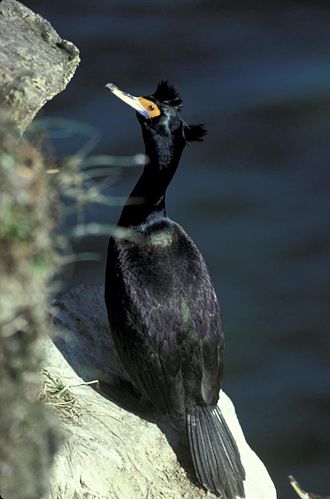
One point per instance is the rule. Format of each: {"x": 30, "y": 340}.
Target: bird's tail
{"x": 214, "y": 452}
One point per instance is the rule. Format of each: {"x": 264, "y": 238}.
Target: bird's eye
{"x": 150, "y": 106}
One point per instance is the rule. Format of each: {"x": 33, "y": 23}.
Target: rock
{"x": 112, "y": 452}
{"x": 35, "y": 62}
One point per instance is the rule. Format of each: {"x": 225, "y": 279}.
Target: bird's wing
{"x": 141, "y": 304}
{"x": 205, "y": 314}
{"x": 165, "y": 316}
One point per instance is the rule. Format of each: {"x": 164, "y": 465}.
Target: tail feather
{"x": 203, "y": 445}
{"x": 214, "y": 461}
{"x": 214, "y": 452}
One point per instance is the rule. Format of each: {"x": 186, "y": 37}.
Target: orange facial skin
{"x": 151, "y": 108}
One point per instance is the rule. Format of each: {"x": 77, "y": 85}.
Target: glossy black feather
{"x": 163, "y": 310}
{"x": 194, "y": 133}
{"x": 214, "y": 452}
{"x": 166, "y": 92}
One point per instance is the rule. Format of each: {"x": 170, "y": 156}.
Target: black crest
{"x": 194, "y": 132}
{"x": 165, "y": 92}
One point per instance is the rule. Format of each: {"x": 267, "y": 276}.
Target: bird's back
{"x": 165, "y": 317}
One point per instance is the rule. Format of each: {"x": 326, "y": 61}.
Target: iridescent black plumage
{"x": 163, "y": 310}
{"x": 167, "y": 94}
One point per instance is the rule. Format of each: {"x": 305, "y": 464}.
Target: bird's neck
{"x": 147, "y": 200}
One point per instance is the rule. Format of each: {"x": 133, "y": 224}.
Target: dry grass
{"x": 55, "y": 393}
{"x": 58, "y": 395}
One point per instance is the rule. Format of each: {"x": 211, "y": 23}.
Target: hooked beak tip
{"x": 129, "y": 99}
{"x": 111, "y": 86}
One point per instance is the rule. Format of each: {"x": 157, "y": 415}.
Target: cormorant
{"x": 163, "y": 311}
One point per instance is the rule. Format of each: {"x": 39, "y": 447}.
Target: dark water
{"x": 255, "y": 196}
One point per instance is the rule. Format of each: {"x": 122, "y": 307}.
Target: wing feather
{"x": 165, "y": 319}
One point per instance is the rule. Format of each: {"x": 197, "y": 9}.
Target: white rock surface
{"x": 111, "y": 452}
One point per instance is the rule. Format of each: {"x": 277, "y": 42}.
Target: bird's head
{"x": 159, "y": 114}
